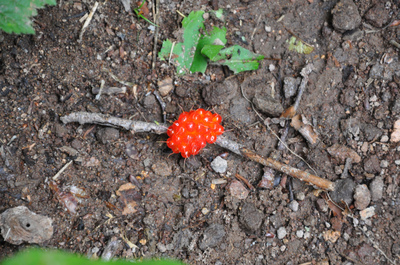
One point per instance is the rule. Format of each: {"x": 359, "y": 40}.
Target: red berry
{"x": 190, "y": 133}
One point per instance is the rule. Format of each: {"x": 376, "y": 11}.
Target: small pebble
{"x": 346, "y": 236}
{"x": 376, "y": 188}
{"x": 161, "y": 247}
{"x": 294, "y": 206}
{"x": 219, "y": 165}
{"x": 397, "y": 162}
{"x": 362, "y": 197}
{"x": 300, "y": 196}
{"x": 281, "y": 233}
{"x": 385, "y": 139}
{"x": 384, "y": 164}
{"x": 367, "y": 213}
{"x": 283, "y": 248}
{"x": 299, "y": 233}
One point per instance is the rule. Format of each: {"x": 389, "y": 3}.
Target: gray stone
{"x": 370, "y": 132}
{"x": 322, "y": 205}
{"x": 239, "y": 110}
{"x": 396, "y": 106}
{"x": 376, "y": 188}
{"x": 380, "y": 71}
{"x": 354, "y": 35}
{"x": 281, "y": 233}
{"x": 362, "y": 197}
{"x": 61, "y": 130}
{"x": 290, "y": 85}
{"x": 343, "y": 191}
{"x": 220, "y": 93}
{"x": 219, "y": 165}
{"x": 396, "y": 249}
{"x": 250, "y": 217}
{"x": 212, "y": 236}
{"x": 106, "y": 135}
{"x": 345, "y": 16}
{"x": 372, "y": 164}
{"x": 191, "y": 163}
{"x": 162, "y": 169}
{"x": 19, "y": 225}
{"x": 237, "y": 190}
{"x": 161, "y": 247}
{"x": 182, "y": 239}
{"x": 294, "y": 206}
{"x": 150, "y": 102}
{"x": 268, "y": 105}
{"x": 378, "y": 15}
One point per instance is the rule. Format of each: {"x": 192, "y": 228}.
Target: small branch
{"x": 55, "y": 177}
{"x": 106, "y": 120}
{"x": 87, "y": 22}
{"x": 156, "y": 13}
{"x": 140, "y": 126}
{"x": 291, "y": 171}
{"x": 248, "y": 184}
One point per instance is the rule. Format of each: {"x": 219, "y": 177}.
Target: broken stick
{"x": 140, "y": 126}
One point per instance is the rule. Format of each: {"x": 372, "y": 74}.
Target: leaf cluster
{"x": 197, "y": 49}
{"x": 51, "y": 257}
{"x": 16, "y": 15}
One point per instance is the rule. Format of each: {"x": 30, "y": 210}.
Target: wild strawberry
{"x": 193, "y": 129}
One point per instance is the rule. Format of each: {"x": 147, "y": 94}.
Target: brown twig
{"x": 291, "y": 171}
{"x": 140, "y": 126}
{"x": 156, "y": 13}
{"x": 248, "y": 184}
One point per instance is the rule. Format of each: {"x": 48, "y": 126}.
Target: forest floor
{"x": 129, "y": 196}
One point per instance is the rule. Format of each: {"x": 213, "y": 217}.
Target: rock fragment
{"x": 343, "y": 191}
{"x": 362, "y": 197}
{"x": 378, "y": 15}
{"x": 290, "y": 85}
{"x": 367, "y": 213}
{"x": 219, "y": 165}
{"x": 212, "y": 236}
{"x": 250, "y": 217}
{"x": 221, "y": 93}
{"x": 345, "y": 16}
{"x": 165, "y": 86}
{"x": 395, "y": 136}
{"x": 162, "y": 169}
{"x": 281, "y": 233}
{"x": 294, "y": 206}
{"x": 107, "y": 135}
{"x": 372, "y": 164}
{"x": 376, "y": 188}
{"x": 342, "y": 152}
{"x": 237, "y": 190}
{"x": 19, "y": 225}
{"x": 268, "y": 105}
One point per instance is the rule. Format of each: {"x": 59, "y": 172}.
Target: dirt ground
{"x": 128, "y": 197}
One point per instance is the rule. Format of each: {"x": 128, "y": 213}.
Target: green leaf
{"x": 211, "y": 50}
{"x": 15, "y": 15}
{"x": 191, "y": 55}
{"x": 183, "y": 52}
{"x": 237, "y": 58}
{"x": 299, "y": 46}
{"x": 43, "y": 257}
{"x": 216, "y": 36}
